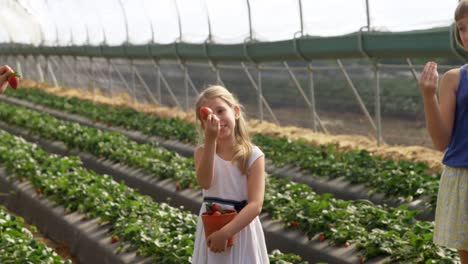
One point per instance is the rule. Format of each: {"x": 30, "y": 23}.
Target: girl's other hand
{"x": 217, "y": 241}
{"x": 429, "y": 79}
{"x": 212, "y": 127}
{"x": 5, "y": 72}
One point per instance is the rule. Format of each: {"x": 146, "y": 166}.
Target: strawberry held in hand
{"x": 205, "y": 112}
{"x": 13, "y": 80}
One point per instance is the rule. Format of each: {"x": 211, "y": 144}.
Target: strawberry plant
{"x": 156, "y": 230}
{"x": 17, "y": 244}
{"x": 405, "y": 180}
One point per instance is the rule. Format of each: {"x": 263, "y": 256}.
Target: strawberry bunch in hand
{"x": 13, "y": 80}
{"x": 8, "y": 77}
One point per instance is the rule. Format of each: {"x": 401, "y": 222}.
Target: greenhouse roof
{"x": 251, "y": 30}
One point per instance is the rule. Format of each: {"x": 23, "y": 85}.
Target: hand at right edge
{"x": 429, "y": 80}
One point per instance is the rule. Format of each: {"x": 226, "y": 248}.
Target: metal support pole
{"x": 312, "y": 97}
{"x": 51, "y": 72}
{"x": 132, "y": 68}
{"x": 18, "y": 66}
{"x": 193, "y": 85}
{"x": 111, "y": 80}
{"x": 259, "y": 92}
{"x": 63, "y": 78}
{"x": 127, "y": 87}
{"x": 368, "y": 14}
{"x": 158, "y": 84}
{"x": 413, "y": 71}
{"x": 166, "y": 84}
{"x": 377, "y": 103}
{"x": 76, "y": 71}
{"x": 356, "y": 94}
{"x": 186, "y": 86}
{"x": 301, "y": 91}
{"x": 92, "y": 72}
{"x": 215, "y": 68}
{"x": 254, "y": 84}
{"x": 148, "y": 90}
{"x": 189, "y": 80}
{"x": 39, "y": 69}
{"x": 62, "y": 69}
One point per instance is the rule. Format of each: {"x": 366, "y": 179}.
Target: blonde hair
{"x": 243, "y": 146}
{"x": 460, "y": 12}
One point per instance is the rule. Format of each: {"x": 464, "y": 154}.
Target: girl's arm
{"x": 204, "y": 157}
{"x": 204, "y": 164}
{"x": 255, "y": 191}
{"x": 439, "y": 115}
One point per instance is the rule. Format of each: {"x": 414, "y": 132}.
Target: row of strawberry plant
{"x": 111, "y": 145}
{"x": 157, "y": 230}
{"x": 377, "y": 230}
{"x": 128, "y": 118}
{"x": 399, "y": 223}
{"x": 405, "y": 180}
{"x": 17, "y": 243}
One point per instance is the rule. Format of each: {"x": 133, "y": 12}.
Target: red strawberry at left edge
{"x": 13, "y": 80}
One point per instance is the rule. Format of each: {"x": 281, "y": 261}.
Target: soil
{"x": 345, "y": 142}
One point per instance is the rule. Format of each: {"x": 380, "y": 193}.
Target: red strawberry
{"x": 321, "y": 237}
{"x": 216, "y": 207}
{"x": 216, "y": 213}
{"x": 13, "y": 80}
{"x": 177, "y": 186}
{"x": 361, "y": 259}
{"x": 295, "y": 224}
{"x": 114, "y": 239}
{"x": 205, "y": 112}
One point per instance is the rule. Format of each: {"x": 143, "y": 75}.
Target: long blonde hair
{"x": 460, "y": 12}
{"x": 243, "y": 146}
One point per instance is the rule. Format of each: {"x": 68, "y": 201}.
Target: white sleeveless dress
{"x": 249, "y": 244}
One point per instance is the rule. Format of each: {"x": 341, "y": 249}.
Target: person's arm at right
{"x": 439, "y": 115}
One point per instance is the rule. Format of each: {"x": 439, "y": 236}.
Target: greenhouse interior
{"x": 99, "y": 142}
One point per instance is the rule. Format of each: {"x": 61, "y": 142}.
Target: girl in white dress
{"x": 231, "y": 172}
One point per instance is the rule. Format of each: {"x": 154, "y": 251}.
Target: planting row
{"x": 17, "y": 244}
{"x": 164, "y": 233}
{"x": 404, "y": 181}
{"x": 376, "y": 230}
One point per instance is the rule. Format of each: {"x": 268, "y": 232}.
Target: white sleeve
{"x": 256, "y": 153}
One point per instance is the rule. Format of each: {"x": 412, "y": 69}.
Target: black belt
{"x": 238, "y": 205}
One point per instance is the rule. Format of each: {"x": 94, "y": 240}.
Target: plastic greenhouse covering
{"x": 137, "y": 22}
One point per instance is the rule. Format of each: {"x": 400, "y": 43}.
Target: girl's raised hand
{"x": 212, "y": 127}
{"x": 429, "y": 79}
